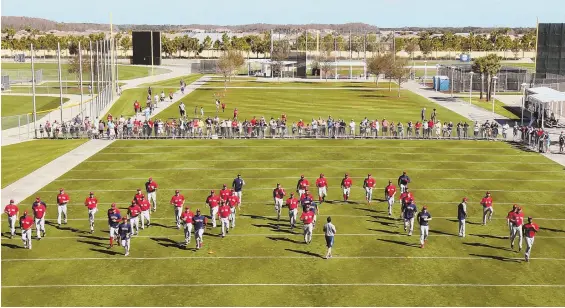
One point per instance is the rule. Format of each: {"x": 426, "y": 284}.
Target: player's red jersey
{"x": 233, "y": 201}
{"x": 369, "y": 182}
{"x": 11, "y": 210}
{"x": 486, "y": 201}
{"x": 134, "y": 210}
{"x": 63, "y": 198}
{"x": 307, "y": 217}
{"x": 151, "y": 186}
{"x": 177, "y": 201}
{"x": 279, "y": 193}
{"x": 346, "y": 182}
{"x": 405, "y": 196}
{"x": 321, "y": 182}
{"x": 303, "y": 184}
{"x": 213, "y": 201}
{"x": 144, "y": 205}
{"x": 390, "y": 190}
{"x": 530, "y": 229}
{"x": 187, "y": 216}
{"x": 26, "y": 222}
{"x": 39, "y": 211}
{"x": 91, "y": 203}
{"x": 224, "y": 211}
{"x": 292, "y": 203}
{"x": 137, "y": 197}
{"x": 225, "y": 194}
{"x": 509, "y": 216}
{"x": 517, "y": 219}
{"x": 306, "y": 195}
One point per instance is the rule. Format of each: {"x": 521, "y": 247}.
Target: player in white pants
{"x": 152, "y": 198}
{"x": 517, "y": 220}
{"x": 62, "y": 201}
{"x": 151, "y": 189}
{"x": 530, "y": 231}
{"x": 424, "y": 218}
{"x": 12, "y": 224}
{"x": 26, "y": 222}
{"x": 390, "y": 192}
{"x": 11, "y": 210}
{"x": 91, "y": 213}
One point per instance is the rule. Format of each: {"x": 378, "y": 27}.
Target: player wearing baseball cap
{"x": 292, "y": 204}
{"x": 307, "y": 219}
{"x": 423, "y": 219}
{"x": 187, "y": 220}
{"x": 224, "y": 212}
{"x": 409, "y": 211}
{"x": 368, "y": 185}
{"x": 390, "y": 191}
{"x": 346, "y": 184}
{"x": 62, "y": 201}
{"x": 302, "y": 185}
{"x": 177, "y": 201}
{"x": 213, "y": 202}
{"x": 199, "y": 222}
{"x": 517, "y": 220}
{"x": 462, "y": 216}
{"x": 114, "y": 218}
{"x": 278, "y": 196}
{"x": 530, "y": 231}
{"x": 233, "y": 202}
{"x": 125, "y": 231}
{"x": 237, "y": 186}
{"x": 26, "y": 222}
{"x": 508, "y": 217}
{"x": 12, "y": 212}
{"x": 133, "y": 212}
{"x": 403, "y": 181}
{"x": 91, "y": 204}
{"x": 322, "y": 185}
{"x": 151, "y": 188}
{"x": 486, "y": 202}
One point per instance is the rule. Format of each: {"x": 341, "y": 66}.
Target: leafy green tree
{"x": 379, "y": 64}
{"x": 425, "y": 44}
{"x": 207, "y": 43}
{"x": 125, "y": 44}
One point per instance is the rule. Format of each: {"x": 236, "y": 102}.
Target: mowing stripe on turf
{"x": 333, "y": 187}
{"x": 302, "y": 146}
{"x": 375, "y": 284}
{"x": 302, "y": 168}
{"x": 319, "y": 160}
{"x": 380, "y": 153}
{"x": 478, "y": 258}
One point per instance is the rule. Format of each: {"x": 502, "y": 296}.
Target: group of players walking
{"x": 225, "y": 205}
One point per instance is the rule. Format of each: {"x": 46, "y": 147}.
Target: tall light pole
{"x": 33, "y": 91}
{"x": 452, "y": 81}
{"x": 524, "y": 85}
{"x": 493, "y": 93}
{"x": 425, "y": 70}
{"x": 471, "y": 87}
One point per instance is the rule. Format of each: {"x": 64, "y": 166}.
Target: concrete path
{"x": 36, "y": 180}
{"x": 475, "y": 113}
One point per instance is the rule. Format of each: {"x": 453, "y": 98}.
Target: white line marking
{"x": 272, "y": 257}
{"x": 395, "y": 153}
{"x": 329, "y": 167}
{"x": 375, "y": 284}
{"x": 301, "y": 146}
{"x": 333, "y": 187}
{"x": 377, "y": 235}
{"x": 318, "y": 160}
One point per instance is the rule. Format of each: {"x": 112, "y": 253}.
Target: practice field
{"x": 13, "y": 105}
{"x": 216, "y": 82}
{"x": 263, "y": 263}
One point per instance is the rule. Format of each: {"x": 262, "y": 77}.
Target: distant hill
{"x": 20, "y": 23}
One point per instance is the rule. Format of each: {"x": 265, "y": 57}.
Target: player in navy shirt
{"x": 199, "y": 222}
{"x": 314, "y": 209}
{"x": 237, "y": 186}
{"x": 423, "y": 219}
{"x": 403, "y": 181}
{"x": 409, "y": 212}
{"x": 306, "y": 202}
{"x": 125, "y": 231}
{"x": 114, "y": 218}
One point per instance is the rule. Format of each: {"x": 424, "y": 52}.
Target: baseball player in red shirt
{"x": 508, "y": 217}
{"x": 186, "y": 218}
{"x": 12, "y": 212}
{"x": 225, "y": 193}
{"x": 26, "y": 223}
{"x": 292, "y": 204}
{"x": 486, "y": 202}
{"x": 62, "y": 201}
{"x": 346, "y": 185}
{"x": 302, "y": 185}
{"x": 177, "y": 201}
{"x": 39, "y": 212}
{"x": 307, "y": 218}
{"x": 278, "y": 196}
{"x": 91, "y": 204}
{"x": 213, "y": 202}
{"x": 133, "y": 212}
{"x": 368, "y": 185}
{"x": 322, "y": 185}
{"x": 233, "y": 202}
{"x": 145, "y": 207}
{"x": 224, "y": 212}
{"x": 151, "y": 188}
{"x": 517, "y": 220}
{"x": 390, "y": 191}
{"x": 530, "y": 231}
{"x": 138, "y": 195}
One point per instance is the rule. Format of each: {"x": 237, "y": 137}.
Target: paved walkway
{"x": 475, "y": 113}
{"x": 36, "y": 180}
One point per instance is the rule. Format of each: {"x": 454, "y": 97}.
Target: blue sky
{"x": 383, "y": 13}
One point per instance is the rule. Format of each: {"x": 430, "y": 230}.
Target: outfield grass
{"x": 173, "y": 82}
{"x": 125, "y": 72}
{"x": 13, "y": 105}
{"x": 262, "y": 263}
{"x": 304, "y": 103}
{"x": 499, "y": 107}
{"x": 330, "y": 83}
{"x": 18, "y": 160}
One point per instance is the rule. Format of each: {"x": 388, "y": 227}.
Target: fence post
{"x": 27, "y": 123}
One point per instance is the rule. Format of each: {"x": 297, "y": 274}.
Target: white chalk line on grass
{"x": 302, "y": 168}
{"x": 377, "y": 235}
{"x": 333, "y": 187}
{"x": 369, "y": 284}
{"x": 327, "y": 177}
{"x": 297, "y": 152}
{"x": 368, "y": 161}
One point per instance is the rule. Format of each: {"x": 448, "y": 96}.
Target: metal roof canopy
{"x": 546, "y": 98}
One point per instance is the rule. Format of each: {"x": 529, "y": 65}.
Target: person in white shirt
{"x": 156, "y": 100}
{"x": 352, "y": 128}
{"x": 162, "y": 95}
{"x": 377, "y": 127}
{"x": 182, "y": 109}
{"x": 329, "y": 232}
{"x": 425, "y": 129}
{"x": 505, "y": 128}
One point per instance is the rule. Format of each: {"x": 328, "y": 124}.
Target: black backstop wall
{"x": 141, "y": 43}
{"x": 551, "y": 49}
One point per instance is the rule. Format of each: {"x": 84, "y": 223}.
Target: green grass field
{"x": 262, "y": 263}
{"x": 20, "y": 159}
{"x": 298, "y": 84}
{"x": 125, "y": 72}
{"x": 13, "y": 105}
{"x": 173, "y": 82}
{"x": 499, "y": 107}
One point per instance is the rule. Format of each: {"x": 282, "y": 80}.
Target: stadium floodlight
{"x": 471, "y": 86}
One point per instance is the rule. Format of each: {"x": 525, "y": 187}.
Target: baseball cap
{"x": 113, "y": 205}
{"x": 177, "y": 191}
{"x": 139, "y": 189}
{"x": 346, "y": 174}
{"x": 150, "y": 179}
{"x": 11, "y": 200}
{"x": 465, "y": 199}
{"x": 514, "y": 206}
{"x": 37, "y": 198}
{"x": 238, "y": 174}
{"x": 369, "y": 174}
{"x": 488, "y": 192}
{"x": 321, "y": 174}
{"x": 425, "y": 207}
{"x": 133, "y": 202}
{"x": 403, "y": 172}
{"x": 225, "y": 185}
{"x": 212, "y": 191}
{"x": 389, "y": 181}
{"x": 61, "y": 189}
{"x": 302, "y": 175}
{"x": 91, "y": 193}
{"x": 25, "y": 213}
{"x": 530, "y": 218}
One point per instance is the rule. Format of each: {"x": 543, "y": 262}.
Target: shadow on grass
{"x": 93, "y": 237}
{"x": 399, "y": 243}
{"x": 258, "y": 217}
{"x": 284, "y": 239}
{"x": 490, "y": 236}
{"x": 466, "y": 222}
{"x": 486, "y": 246}
{"x": 274, "y": 227}
{"x": 106, "y": 251}
{"x": 384, "y": 223}
{"x": 552, "y": 230}
{"x": 441, "y": 232}
{"x": 167, "y": 242}
{"x": 499, "y": 258}
{"x": 372, "y": 95}
{"x": 308, "y": 253}
{"x": 97, "y": 244}
{"x": 384, "y": 231}
{"x": 163, "y": 226}
{"x": 11, "y": 246}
